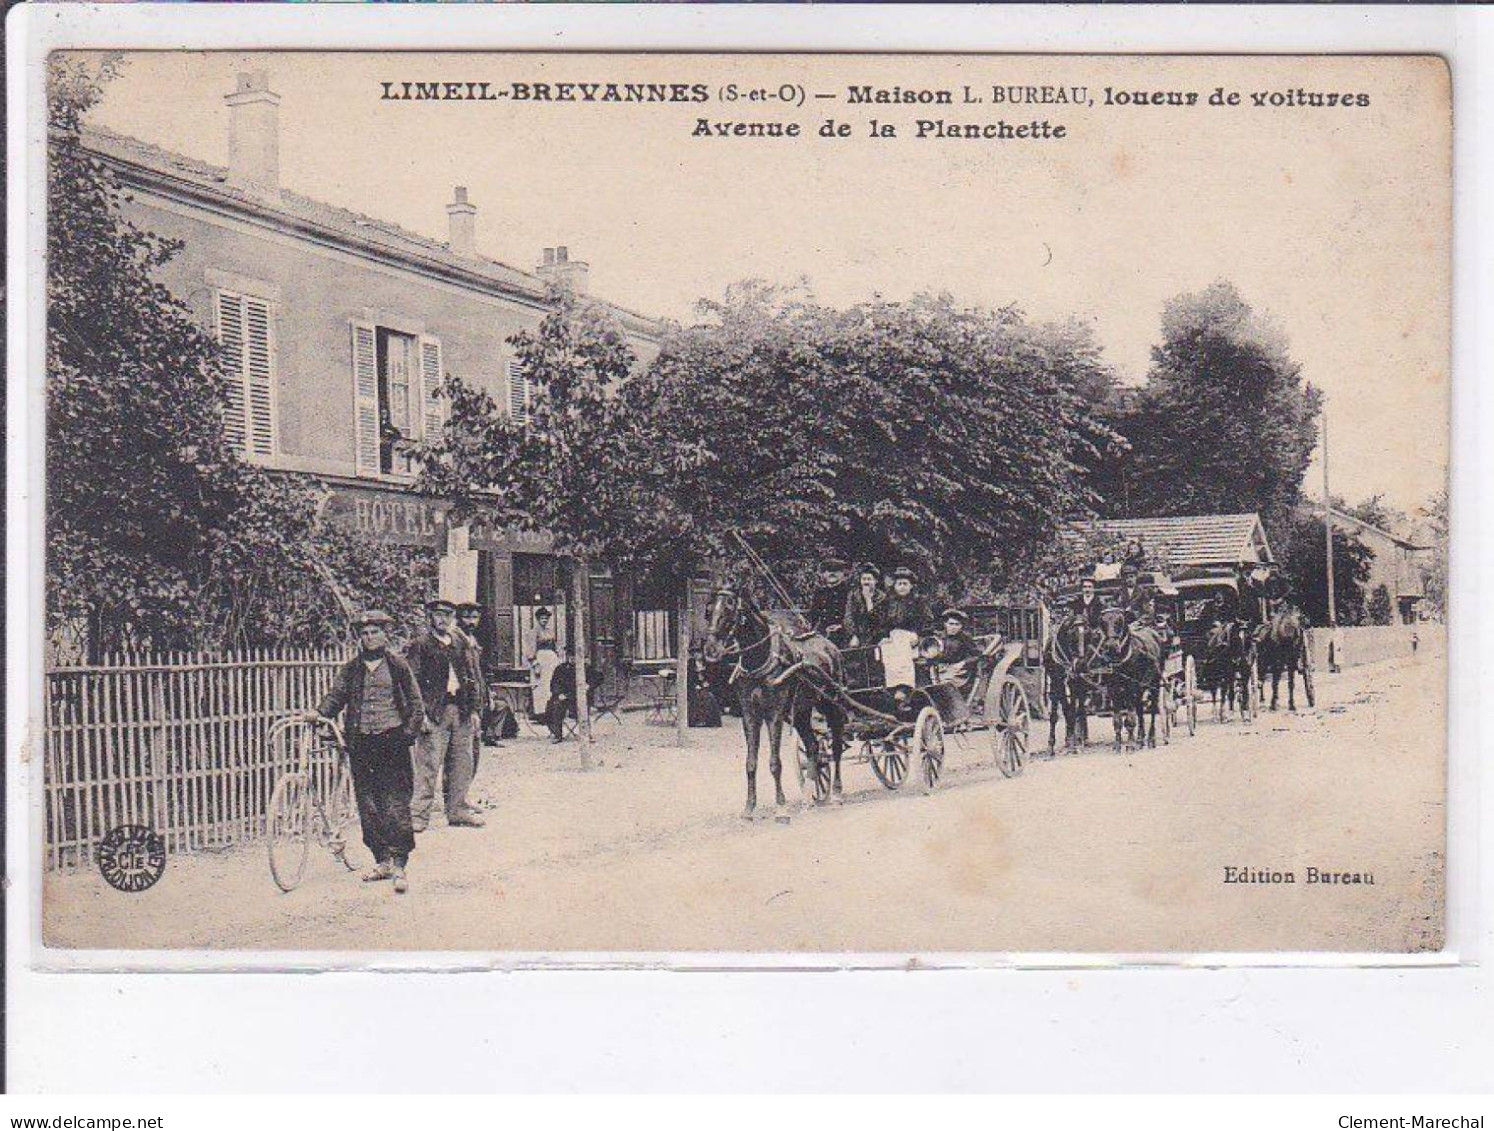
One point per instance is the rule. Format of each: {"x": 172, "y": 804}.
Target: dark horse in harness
{"x": 1066, "y": 660}
{"x": 1283, "y": 648}
{"x": 777, "y": 676}
{"x": 1130, "y": 656}
{"x": 1229, "y": 667}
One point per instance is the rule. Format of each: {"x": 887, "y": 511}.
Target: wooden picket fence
{"x": 175, "y": 742}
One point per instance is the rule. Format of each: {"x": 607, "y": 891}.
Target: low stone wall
{"x": 1367, "y": 644}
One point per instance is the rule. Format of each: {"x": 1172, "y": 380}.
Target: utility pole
{"x": 1328, "y": 527}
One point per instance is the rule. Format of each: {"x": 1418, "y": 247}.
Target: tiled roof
{"x": 343, "y": 221}
{"x": 1191, "y": 540}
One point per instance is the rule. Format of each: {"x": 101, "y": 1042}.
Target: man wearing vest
{"x": 442, "y": 664}
{"x": 384, "y": 713}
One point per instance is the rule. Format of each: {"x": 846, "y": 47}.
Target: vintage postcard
{"x": 745, "y": 504}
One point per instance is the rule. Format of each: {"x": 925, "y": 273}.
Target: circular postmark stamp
{"x": 131, "y": 857}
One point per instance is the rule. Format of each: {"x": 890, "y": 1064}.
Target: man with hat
{"x": 1132, "y": 596}
{"x": 1086, "y": 606}
{"x": 469, "y": 621}
{"x": 861, "y": 615}
{"x": 384, "y": 712}
{"x": 905, "y": 610}
{"x": 827, "y": 608}
{"x": 958, "y": 653}
{"x": 443, "y": 667}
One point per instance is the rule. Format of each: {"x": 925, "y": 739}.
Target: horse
{"x": 776, "y": 677}
{"x": 1131, "y": 658}
{"x": 1283, "y": 648}
{"x": 1216, "y": 669}
{"x": 1065, "y": 659}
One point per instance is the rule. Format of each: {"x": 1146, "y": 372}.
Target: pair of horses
{"x": 1119, "y": 657}
{"x": 1237, "y": 653}
{"x": 1282, "y": 650}
{"x": 779, "y": 674}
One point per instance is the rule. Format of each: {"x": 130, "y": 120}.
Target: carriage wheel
{"x": 1307, "y": 678}
{"x": 1167, "y": 692}
{"x": 1252, "y": 704}
{"x": 286, "y": 830}
{"x": 889, "y": 762}
{"x": 928, "y": 746}
{"x": 1190, "y": 691}
{"x": 1009, "y": 729}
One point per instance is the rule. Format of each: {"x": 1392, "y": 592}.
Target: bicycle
{"x": 312, "y": 799}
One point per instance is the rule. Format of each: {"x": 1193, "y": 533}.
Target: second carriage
{"x": 1178, "y": 691}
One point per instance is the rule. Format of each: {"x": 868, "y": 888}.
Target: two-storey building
{"x": 339, "y": 328}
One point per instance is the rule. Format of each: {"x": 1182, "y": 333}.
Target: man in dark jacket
{"x": 469, "y": 620}
{"x": 959, "y": 656}
{"x": 861, "y": 617}
{"x": 1132, "y": 595}
{"x": 905, "y": 609}
{"x": 1086, "y": 606}
{"x": 383, "y": 715}
{"x": 827, "y": 608}
{"x": 442, "y": 664}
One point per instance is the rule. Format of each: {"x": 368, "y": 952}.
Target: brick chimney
{"x": 462, "y": 218}
{"x": 254, "y": 133}
{"x": 557, "y": 266}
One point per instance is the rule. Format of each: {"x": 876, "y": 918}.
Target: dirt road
{"x": 1091, "y": 852}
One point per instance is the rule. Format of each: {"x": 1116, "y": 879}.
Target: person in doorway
{"x": 541, "y": 672}
{"x": 380, "y": 699}
{"x": 443, "y": 668}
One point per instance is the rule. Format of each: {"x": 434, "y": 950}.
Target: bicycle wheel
{"x": 339, "y": 813}
{"x": 286, "y": 830}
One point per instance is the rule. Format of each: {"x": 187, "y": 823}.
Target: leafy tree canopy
{"x": 578, "y": 468}
{"x": 916, "y": 432}
{"x": 1225, "y": 422}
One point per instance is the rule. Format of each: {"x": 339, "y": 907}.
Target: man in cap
{"x": 905, "y": 610}
{"x": 469, "y": 621}
{"x": 443, "y": 668}
{"x": 827, "y": 608}
{"x": 384, "y": 711}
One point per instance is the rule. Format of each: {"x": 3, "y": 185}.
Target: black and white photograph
{"x": 820, "y": 504}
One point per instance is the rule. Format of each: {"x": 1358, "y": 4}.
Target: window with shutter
{"x": 259, "y": 377}
{"x": 231, "y": 338}
{"x": 520, "y": 394}
{"x": 365, "y": 399}
{"x": 430, "y": 388}
{"x": 246, "y": 332}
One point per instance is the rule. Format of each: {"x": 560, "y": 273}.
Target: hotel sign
{"x": 405, "y": 519}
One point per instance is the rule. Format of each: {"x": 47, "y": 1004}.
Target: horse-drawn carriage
{"x": 900, "y": 727}
{"x": 1209, "y": 599}
{"x": 1087, "y": 668}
